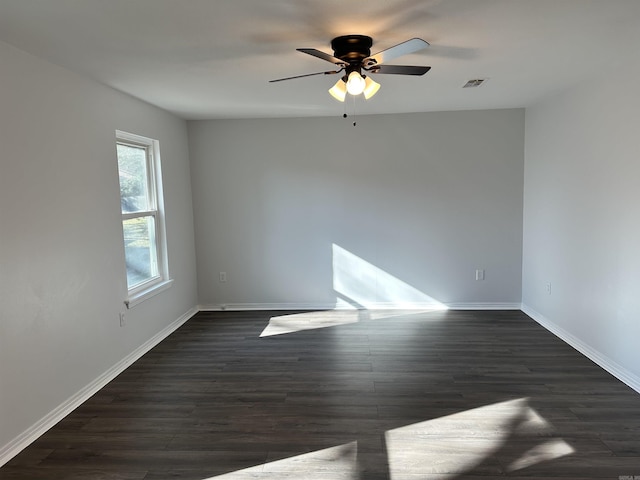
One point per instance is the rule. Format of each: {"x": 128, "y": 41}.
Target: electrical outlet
{"x": 479, "y": 274}
{"x": 223, "y": 277}
{"x": 548, "y": 288}
{"x": 122, "y": 319}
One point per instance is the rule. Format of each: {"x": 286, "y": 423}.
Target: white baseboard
{"x": 27, "y": 437}
{"x": 591, "y": 353}
{"x": 485, "y": 306}
{"x": 217, "y": 307}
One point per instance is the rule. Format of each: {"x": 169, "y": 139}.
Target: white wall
{"x": 410, "y": 204}
{"x": 582, "y": 218}
{"x": 62, "y": 274}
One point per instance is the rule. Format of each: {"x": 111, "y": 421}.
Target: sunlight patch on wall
{"x": 370, "y": 287}
{"x": 486, "y": 440}
{"x": 337, "y": 463}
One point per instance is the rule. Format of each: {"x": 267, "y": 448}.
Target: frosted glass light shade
{"x": 339, "y": 91}
{"x": 370, "y": 88}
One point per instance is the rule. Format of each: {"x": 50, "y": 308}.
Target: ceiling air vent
{"x": 476, "y": 82}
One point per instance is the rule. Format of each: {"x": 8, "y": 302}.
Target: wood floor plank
{"x": 402, "y": 395}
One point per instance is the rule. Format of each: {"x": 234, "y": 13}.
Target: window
{"x": 142, "y": 219}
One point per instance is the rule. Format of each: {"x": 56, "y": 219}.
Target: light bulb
{"x": 339, "y": 91}
{"x": 370, "y": 88}
{"x": 355, "y": 83}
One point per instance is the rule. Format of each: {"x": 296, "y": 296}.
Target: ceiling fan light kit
{"x": 352, "y": 54}
{"x": 365, "y": 86}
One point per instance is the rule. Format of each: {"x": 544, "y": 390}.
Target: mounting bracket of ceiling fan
{"x": 352, "y": 53}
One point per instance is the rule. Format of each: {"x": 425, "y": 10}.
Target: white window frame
{"x": 140, "y": 292}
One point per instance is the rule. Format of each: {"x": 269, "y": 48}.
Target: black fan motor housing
{"x": 352, "y": 48}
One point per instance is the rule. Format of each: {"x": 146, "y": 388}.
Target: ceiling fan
{"x": 352, "y": 54}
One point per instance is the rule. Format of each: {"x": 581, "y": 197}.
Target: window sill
{"x": 140, "y": 297}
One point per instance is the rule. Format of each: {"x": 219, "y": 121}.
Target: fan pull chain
{"x": 354, "y": 110}
{"x": 344, "y": 115}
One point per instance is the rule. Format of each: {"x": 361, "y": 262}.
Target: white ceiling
{"x": 214, "y": 58}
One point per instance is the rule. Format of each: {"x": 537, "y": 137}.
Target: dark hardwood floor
{"x": 385, "y": 395}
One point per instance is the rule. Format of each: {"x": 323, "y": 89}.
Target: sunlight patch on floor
{"x": 297, "y": 322}
{"x": 487, "y": 440}
{"x": 543, "y": 452}
{"x": 335, "y": 463}
{"x": 491, "y": 440}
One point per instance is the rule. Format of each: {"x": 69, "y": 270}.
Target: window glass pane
{"x": 134, "y": 191}
{"x": 140, "y": 252}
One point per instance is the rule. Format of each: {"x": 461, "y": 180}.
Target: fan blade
{"x": 396, "y": 51}
{"x": 332, "y": 72}
{"x": 399, "y": 69}
{"x": 324, "y": 56}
